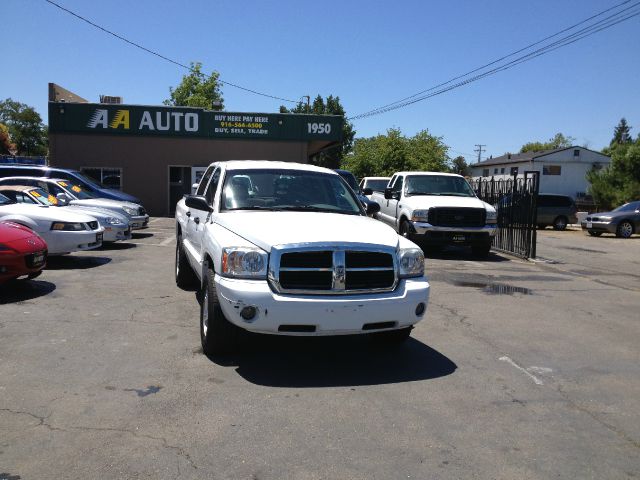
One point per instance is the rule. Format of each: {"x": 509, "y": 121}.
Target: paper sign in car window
{"x": 35, "y": 193}
{"x": 52, "y": 199}
{"x": 62, "y": 184}
{"x": 76, "y": 188}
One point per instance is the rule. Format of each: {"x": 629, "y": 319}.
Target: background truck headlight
{"x": 130, "y": 211}
{"x": 420, "y": 216}
{"x": 492, "y": 216}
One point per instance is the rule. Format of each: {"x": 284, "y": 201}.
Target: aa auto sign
{"x": 143, "y": 121}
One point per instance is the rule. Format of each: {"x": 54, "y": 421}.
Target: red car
{"x": 23, "y": 253}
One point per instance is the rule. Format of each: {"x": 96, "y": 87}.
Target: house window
{"x": 576, "y": 153}
{"x": 485, "y": 172}
{"x": 514, "y": 170}
{"x": 495, "y": 171}
{"x": 551, "y": 169}
{"x": 108, "y": 177}
{"x": 502, "y": 170}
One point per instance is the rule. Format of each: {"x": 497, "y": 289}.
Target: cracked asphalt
{"x": 521, "y": 370}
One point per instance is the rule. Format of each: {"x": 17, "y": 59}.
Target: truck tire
{"x": 217, "y": 335}
{"x": 185, "y": 278}
{"x": 481, "y": 250}
{"x": 406, "y": 229}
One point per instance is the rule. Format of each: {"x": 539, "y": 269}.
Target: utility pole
{"x": 479, "y": 150}
{"x": 308, "y": 97}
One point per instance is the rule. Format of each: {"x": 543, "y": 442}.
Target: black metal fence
{"x": 516, "y": 201}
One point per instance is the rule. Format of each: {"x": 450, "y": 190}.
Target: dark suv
{"x": 556, "y": 210}
{"x": 70, "y": 175}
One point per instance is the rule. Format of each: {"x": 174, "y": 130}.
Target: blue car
{"x": 71, "y": 175}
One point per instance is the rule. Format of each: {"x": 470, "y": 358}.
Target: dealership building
{"x": 157, "y": 152}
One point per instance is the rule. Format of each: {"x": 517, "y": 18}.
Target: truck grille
{"x": 457, "y": 217}
{"x": 332, "y": 270}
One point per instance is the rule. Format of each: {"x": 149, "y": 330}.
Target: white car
{"x": 116, "y": 226}
{"x": 374, "y": 184}
{"x": 63, "y": 231}
{"x": 67, "y": 193}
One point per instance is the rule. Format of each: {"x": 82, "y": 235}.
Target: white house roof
{"x": 509, "y": 158}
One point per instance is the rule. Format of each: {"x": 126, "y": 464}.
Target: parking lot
{"x": 519, "y": 370}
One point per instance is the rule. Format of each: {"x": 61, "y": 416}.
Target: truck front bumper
{"x": 314, "y": 315}
{"x": 447, "y": 235}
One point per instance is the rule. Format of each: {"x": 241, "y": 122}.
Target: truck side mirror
{"x": 388, "y": 193}
{"x": 373, "y": 207}
{"x": 197, "y": 203}
{"x": 367, "y": 191}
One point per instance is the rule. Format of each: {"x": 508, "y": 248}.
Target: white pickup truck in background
{"x": 436, "y": 209}
{"x": 287, "y": 249}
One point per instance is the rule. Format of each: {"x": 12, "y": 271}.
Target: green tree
{"x": 621, "y": 133}
{"x": 383, "y": 155}
{"x": 332, "y": 157}
{"x": 557, "y": 141}
{"x": 197, "y": 90}
{"x": 459, "y": 165}
{"x": 25, "y": 127}
{"x": 620, "y": 181}
{"x": 5, "y": 140}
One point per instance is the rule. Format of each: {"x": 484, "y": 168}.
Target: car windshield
{"x": 377, "y": 185}
{"x": 5, "y": 200}
{"x": 76, "y": 190}
{"x": 43, "y": 197}
{"x": 628, "y": 207}
{"x": 438, "y": 185}
{"x": 294, "y": 190}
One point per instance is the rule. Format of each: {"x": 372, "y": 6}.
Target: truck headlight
{"x": 67, "y": 227}
{"x": 411, "y": 262}
{"x": 244, "y": 262}
{"x": 420, "y": 216}
{"x": 492, "y": 216}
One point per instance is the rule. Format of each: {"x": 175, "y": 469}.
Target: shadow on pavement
{"x": 462, "y": 253}
{"x": 335, "y": 362}
{"x": 70, "y": 262}
{"x": 138, "y": 235}
{"x": 24, "y": 290}
{"x": 116, "y": 246}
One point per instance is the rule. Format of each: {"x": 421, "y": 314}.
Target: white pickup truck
{"x": 437, "y": 209}
{"x": 287, "y": 249}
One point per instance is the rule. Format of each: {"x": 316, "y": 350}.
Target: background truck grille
{"x": 334, "y": 271}
{"x": 457, "y": 217}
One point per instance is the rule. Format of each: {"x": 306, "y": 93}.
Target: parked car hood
{"x": 10, "y": 232}
{"x": 266, "y": 229}
{"x": 426, "y": 201}
{"x": 611, "y": 214}
{"x": 100, "y": 213}
{"x": 104, "y": 203}
{"x": 44, "y": 213}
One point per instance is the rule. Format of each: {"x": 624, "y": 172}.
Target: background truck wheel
{"x": 560, "y": 223}
{"x": 481, "y": 250}
{"x": 406, "y": 229}
{"x": 393, "y": 337}
{"x": 217, "y": 334}
{"x": 185, "y": 278}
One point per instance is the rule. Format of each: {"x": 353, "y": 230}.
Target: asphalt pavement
{"x": 521, "y": 370}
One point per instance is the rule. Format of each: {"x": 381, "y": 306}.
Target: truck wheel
{"x": 392, "y": 337}
{"x": 406, "y": 230}
{"x": 217, "y": 334}
{"x": 481, "y": 250}
{"x": 185, "y": 278}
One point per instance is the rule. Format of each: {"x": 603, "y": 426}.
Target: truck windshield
{"x": 438, "y": 185}
{"x": 294, "y": 190}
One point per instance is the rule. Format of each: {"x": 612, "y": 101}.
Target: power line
{"x": 596, "y": 27}
{"x": 152, "y": 52}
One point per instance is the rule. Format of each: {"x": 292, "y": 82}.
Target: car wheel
{"x": 392, "y": 337}
{"x": 593, "y": 233}
{"x": 217, "y": 335}
{"x": 481, "y": 250}
{"x": 185, "y": 278}
{"x": 560, "y": 223}
{"x": 625, "y": 229}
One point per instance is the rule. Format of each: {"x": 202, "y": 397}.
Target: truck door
{"x": 389, "y": 209}
{"x": 198, "y": 218}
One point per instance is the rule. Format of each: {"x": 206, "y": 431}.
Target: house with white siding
{"x": 562, "y": 171}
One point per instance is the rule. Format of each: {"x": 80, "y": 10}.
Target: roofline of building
{"x": 501, "y": 159}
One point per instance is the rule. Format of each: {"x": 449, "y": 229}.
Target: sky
{"x": 369, "y": 53}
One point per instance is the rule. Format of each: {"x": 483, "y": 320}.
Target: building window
{"x": 495, "y": 171}
{"x": 107, "y": 176}
{"x": 485, "y": 172}
{"x": 551, "y": 170}
{"x": 502, "y": 171}
{"x": 514, "y": 170}
{"x": 576, "y": 153}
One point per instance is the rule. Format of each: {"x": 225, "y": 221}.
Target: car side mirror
{"x": 373, "y": 207}
{"x": 63, "y": 198}
{"x": 197, "y": 203}
{"x": 367, "y": 191}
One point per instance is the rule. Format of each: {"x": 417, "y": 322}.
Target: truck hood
{"x": 267, "y": 229}
{"x": 428, "y": 201}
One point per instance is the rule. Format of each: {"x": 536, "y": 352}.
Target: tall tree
{"x": 333, "y": 157}
{"x": 383, "y": 155}
{"x": 459, "y": 165}
{"x": 620, "y": 181}
{"x": 557, "y": 141}
{"x": 197, "y": 90}
{"x": 25, "y": 127}
{"x": 621, "y": 133}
